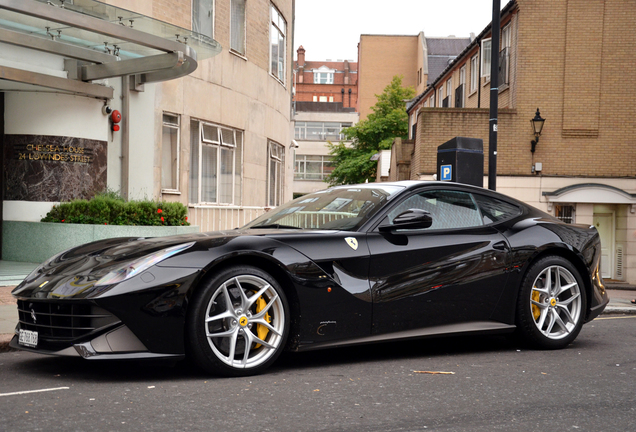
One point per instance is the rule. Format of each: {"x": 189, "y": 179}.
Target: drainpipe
{"x": 125, "y": 135}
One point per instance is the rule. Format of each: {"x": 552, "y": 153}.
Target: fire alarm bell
{"x": 115, "y": 116}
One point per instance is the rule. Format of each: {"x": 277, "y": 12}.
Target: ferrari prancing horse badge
{"x": 351, "y": 241}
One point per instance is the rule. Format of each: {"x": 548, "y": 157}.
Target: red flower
{"x": 63, "y": 220}
{"x": 105, "y": 223}
{"x": 161, "y": 218}
{"x": 186, "y": 218}
{"x": 159, "y": 211}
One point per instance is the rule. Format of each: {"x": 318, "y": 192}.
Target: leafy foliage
{"x": 109, "y": 208}
{"x": 388, "y": 120}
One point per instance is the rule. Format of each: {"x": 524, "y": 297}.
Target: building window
{"x": 277, "y": 32}
{"x": 440, "y": 97}
{"x": 215, "y": 164}
{"x": 432, "y": 101}
{"x": 459, "y": 91}
{"x": 474, "y": 73}
{"x": 323, "y": 75}
{"x": 203, "y": 17}
{"x": 276, "y": 174}
{"x": 170, "y": 152}
{"x": 449, "y": 92}
{"x": 323, "y": 78}
{"x": 237, "y": 26}
{"x": 310, "y": 167}
{"x": 504, "y": 56}
{"x": 564, "y": 213}
{"x": 320, "y": 131}
{"x": 486, "y": 50}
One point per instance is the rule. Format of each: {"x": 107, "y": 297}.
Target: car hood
{"x": 76, "y": 270}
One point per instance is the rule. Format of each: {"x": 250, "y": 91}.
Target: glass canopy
{"x": 95, "y": 27}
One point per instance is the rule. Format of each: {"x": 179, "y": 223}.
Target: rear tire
{"x": 552, "y": 303}
{"x": 238, "y": 322}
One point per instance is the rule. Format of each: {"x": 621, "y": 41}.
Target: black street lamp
{"x": 537, "y": 127}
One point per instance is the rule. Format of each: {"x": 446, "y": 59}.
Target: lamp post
{"x": 494, "y": 95}
{"x": 537, "y": 126}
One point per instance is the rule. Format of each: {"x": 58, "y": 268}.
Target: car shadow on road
{"x": 289, "y": 362}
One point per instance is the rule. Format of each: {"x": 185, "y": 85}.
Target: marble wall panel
{"x": 53, "y": 168}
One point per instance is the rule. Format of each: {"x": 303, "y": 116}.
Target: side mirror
{"x": 410, "y": 219}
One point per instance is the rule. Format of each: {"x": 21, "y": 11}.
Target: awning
{"x": 97, "y": 41}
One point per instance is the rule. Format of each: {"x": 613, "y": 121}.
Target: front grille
{"x": 59, "y": 322}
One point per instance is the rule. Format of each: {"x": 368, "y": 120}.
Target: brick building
{"x": 568, "y": 59}
{"x": 203, "y": 87}
{"x": 325, "y": 98}
{"x": 325, "y": 81}
{"x": 418, "y": 59}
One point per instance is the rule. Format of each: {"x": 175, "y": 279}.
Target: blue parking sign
{"x": 446, "y": 172}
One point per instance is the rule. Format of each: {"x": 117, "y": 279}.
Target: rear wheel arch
{"x": 575, "y": 260}
{"x": 554, "y": 318}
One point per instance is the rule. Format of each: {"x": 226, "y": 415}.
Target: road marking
{"x": 620, "y": 317}
{"x": 33, "y": 391}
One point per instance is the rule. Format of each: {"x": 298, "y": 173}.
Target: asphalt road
{"x": 496, "y": 384}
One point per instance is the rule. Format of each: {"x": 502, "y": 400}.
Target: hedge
{"x": 110, "y": 209}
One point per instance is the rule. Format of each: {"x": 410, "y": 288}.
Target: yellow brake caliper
{"x": 261, "y": 330}
{"x": 536, "y": 312}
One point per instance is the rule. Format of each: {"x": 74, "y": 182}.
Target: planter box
{"x": 38, "y": 241}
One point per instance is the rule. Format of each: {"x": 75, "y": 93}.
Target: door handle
{"x": 501, "y": 246}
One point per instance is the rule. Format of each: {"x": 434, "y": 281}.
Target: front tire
{"x": 238, "y": 322}
{"x": 552, "y": 303}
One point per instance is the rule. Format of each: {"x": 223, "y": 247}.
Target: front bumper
{"x": 117, "y": 344}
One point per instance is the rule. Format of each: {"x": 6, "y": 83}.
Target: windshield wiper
{"x": 276, "y": 226}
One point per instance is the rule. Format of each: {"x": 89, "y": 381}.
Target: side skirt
{"x": 477, "y": 327}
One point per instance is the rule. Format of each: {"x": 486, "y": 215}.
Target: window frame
{"x": 234, "y": 49}
{"x": 486, "y": 60}
{"x": 301, "y": 127}
{"x": 326, "y": 72}
{"x": 176, "y": 169}
{"x": 301, "y": 175}
{"x": 276, "y": 157}
{"x": 218, "y": 144}
{"x": 195, "y": 23}
{"x": 275, "y": 26}
{"x": 474, "y": 73}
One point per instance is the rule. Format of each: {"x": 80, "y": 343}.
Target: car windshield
{"x": 342, "y": 208}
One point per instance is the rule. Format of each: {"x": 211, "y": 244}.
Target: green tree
{"x": 388, "y": 120}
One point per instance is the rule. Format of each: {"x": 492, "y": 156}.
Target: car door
{"x": 451, "y": 272}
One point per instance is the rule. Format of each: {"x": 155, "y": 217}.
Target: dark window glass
{"x": 449, "y": 209}
{"x": 495, "y": 210}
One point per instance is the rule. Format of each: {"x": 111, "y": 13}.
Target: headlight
{"x": 137, "y": 266}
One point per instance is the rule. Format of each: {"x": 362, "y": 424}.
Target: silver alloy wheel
{"x": 244, "y": 321}
{"x": 556, "y": 302}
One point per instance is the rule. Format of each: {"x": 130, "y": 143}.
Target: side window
{"x": 494, "y": 210}
{"x": 449, "y": 209}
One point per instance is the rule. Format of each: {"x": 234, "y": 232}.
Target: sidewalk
{"x": 620, "y": 303}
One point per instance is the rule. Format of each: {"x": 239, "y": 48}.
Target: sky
{"x": 331, "y": 29}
